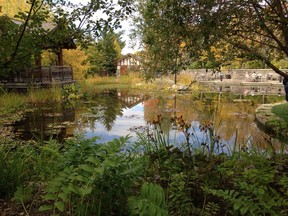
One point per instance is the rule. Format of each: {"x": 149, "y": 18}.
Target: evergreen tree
{"x": 104, "y": 53}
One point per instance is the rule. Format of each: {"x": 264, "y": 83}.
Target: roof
{"x": 130, "y": 55}
{"x": 53, "y": 29}
{"x": 48, "y": 26}
{"x": 17, "y": 22}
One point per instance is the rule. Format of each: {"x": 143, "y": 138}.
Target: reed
{"x": 12, "y": 102}
{"x": 40, "y": 96}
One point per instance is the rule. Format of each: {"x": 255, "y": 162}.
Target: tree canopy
{"x": 25, "y": 37}
{"x": 104, "y": 52}
{"x": 255, "y": 28}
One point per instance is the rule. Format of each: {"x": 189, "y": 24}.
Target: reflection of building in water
{"x": 151, "y": 109}
{"x": 130, "y": 100}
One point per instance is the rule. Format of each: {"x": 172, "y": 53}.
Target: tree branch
{"x": 23, "y": 30}
{"x": 258, "y": 56}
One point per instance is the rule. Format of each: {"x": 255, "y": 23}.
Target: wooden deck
{"x": 44, "y": 77}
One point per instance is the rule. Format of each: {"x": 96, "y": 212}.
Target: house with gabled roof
{"x": 128, "y": 62}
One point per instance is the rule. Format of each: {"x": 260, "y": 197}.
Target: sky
{"x": 127, "y": 49}
{"x": 126, "y": 27}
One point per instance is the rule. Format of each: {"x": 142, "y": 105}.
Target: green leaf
{"x": 80, "y": 178}
{"x": 87, "y": 168}
{"x": 45, "y": 207}
{"x": 60, "y": 205}
{"x": 93, "y": 160}
{"x": 152, "y": 210}
{"x": 64, "y": 196}
{"x": 50, "y": 196}
{"x": 243, "y": 210}
{"x": 237, "y": 204}
{"x": 84, "y": 191}
{"x": 109, "y": 163}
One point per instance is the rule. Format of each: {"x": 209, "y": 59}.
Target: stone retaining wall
{"x": 237, "y": 74}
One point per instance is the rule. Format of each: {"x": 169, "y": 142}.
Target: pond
{"x": 229, "y": 116}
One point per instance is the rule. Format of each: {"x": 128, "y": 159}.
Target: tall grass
{"x": 14, "y": 102}
{"x": 39, "y": 96}
{"x": 93, "y": 84}
{"x": 11, "y": 102}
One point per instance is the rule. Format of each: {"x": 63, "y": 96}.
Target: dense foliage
{"x": 104, "y": 52}
{"x": 213, "y": 33}
{"x": 67, "y": 22}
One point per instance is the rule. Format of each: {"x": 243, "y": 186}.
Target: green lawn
{"x": 281, "y": 111}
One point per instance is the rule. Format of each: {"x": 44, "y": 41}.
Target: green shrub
{"x": 151, "y": 201}
{"x": 93, "y": 179}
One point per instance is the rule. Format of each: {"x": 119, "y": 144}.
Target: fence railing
{"x": 45, "y": 75}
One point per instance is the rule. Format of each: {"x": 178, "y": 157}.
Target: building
{"x": 129, "y": 62}
{"x": 55, "y": 38}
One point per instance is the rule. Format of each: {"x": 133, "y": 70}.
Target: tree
{"x": 7, "y": 45}
{"x": 256, "y": 28}
{"x": 104, "y": 53}
{"x": 76, "y": 21}
{"x": 161, "y": 35}
{"x": 80, "y": 66}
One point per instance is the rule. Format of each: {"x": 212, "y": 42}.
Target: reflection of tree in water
{"x": 231, "y": 120}
{"x": 107, "y": 109}
{"x": 234, "y": 119}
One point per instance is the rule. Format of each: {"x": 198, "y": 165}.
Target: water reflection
{"x": 45, "y": 123}
{"x": 233, "y": 121}
{"x": 232, "y": 117}
{"x": 112, "y": 114}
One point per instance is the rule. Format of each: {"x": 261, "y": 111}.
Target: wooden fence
{"x": 45, "y": 75}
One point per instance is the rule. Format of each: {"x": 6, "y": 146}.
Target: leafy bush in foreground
{"x": 81, "y": 177}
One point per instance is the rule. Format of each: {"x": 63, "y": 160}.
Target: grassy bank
{"x": 281, "y": 111}
{"x": 13, "y": 104}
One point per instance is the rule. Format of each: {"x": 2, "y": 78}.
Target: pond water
{"x": 112, "y": 113}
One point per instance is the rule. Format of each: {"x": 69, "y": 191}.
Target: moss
{"x": 281, "y": 111}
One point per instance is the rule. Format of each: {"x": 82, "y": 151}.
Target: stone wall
{"x": 236, "y": 74}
